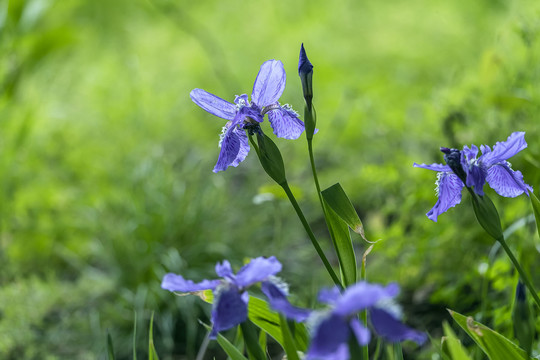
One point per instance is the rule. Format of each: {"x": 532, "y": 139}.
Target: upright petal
{"x": 507, "y": 182}
{"x": 449, "y": 191}
{"x": 363, "y": 295}
{"x": 285, "y": 123}
{"x": 234, "y": 148}
{"x": 258, "y": 269}
{"x": 224, "y": 269}
{"x": 269, "y": 84}
{"x": 434, "y": 167}
{"x": 330, "y": 340}
{"x": 505, "y": 150}
{"x": 213, "y": 104}
{"x": 278, "y": 301}
{"x": 329, "y": 296}
{"x": 392, "y": 329}
{"x": 173, "y": 282}
{"x": 230, "y": 309}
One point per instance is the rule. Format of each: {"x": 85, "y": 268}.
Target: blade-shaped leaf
{"x": 288, "y": 341}
{"x": 493, "y": 344}
{"x": 341, "y": 237}
{"x": 226, "y": 345}
{"x": 152, "y": 353}
{"x": 451, "y": 345}
{"x": 251, "y": 338}
{"x": 536, "y": 209}
{"x": 338, "y": 201}
{"x": 110, "y": 347}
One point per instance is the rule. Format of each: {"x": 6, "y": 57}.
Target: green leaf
{"x": 536, "y": 209}
{"x": 226, "y": 345}
{"x": 338, "y": 201}
{"x": 135, "y": 337}
{"x": 493, "y": 344}
{"x": 341, "y": 237}
{"x": 398, "y": 351}
{"x": 288, "y": 341}
{"x": 451, "y": 345}
{"x": 260, "y": 314}
{"x": 152, "y": 353}
{"x": 110, "y": 347}
{"x": 249, "y": 331}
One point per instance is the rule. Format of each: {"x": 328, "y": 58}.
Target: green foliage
{"x": 451, "y": 346}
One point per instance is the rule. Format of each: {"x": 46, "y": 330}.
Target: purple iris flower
{"x": 230, "y": 292}
{"x": 473, "y": 171}
{"x": 267, "y": 89}
{"x": 334, "y": 328}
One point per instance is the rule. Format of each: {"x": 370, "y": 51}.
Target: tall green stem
{"x": 522, "y": 273}
{"x": 316, "y": 245}
{"x": 314, "y": 171}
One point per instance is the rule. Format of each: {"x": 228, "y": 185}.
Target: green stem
{"x": 524, "y": 276}
{"x": 314, "y": 171}
{"x": 316, "y": 245}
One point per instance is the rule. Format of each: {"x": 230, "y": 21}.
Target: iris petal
{"x": 269, "y": 84}
{"x": 363, "y": 295}
{"x": 173, "y": 282}
{"x": 278, "y": 301}
{"x": 360, "y": 331}
{"x": 434, "y": 167}
{"x": 392, "y": 329}
{"x": 234, "y": 148}
{"x": 286, "y": 123}
{"x": 329, "y": 296}
{"x": 258, "y": 269}
{"x": 449, "y": 188}
{"x": 507, "y": 182}
{"x": 224, "y": 269}
{"x": 330, "y": 339}
{"x": 213, "y": 104}
{"x": 230, "y": 309}
{"x": 505, "y": 150}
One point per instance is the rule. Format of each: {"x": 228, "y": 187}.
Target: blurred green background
{"x": 106, "y": 176}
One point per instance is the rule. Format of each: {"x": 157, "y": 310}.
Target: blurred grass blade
{"x": 288, "y": 341}
{"x": 338, "y": 200}
{"x": 398, "y": 351}
{"x": 536, "y": 209}
{"x": 341, "y": 238}
{"x": 262, "y": 339}
{"x": 451, "y": 346}
{"x": 110, "y": 347}
{"x": 493, "y": 344}
{"x": 135, "y": 337}
{"x": 252, "y": 341}
{"x": 152, "y": 353}
{"x": 226, "y": 345}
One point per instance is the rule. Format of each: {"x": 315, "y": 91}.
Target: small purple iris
{"x": 267, "y": 89}
{"x": 230, "y": 293}
{"x": 334, "y": 328}
{"x": 465, "y": 168}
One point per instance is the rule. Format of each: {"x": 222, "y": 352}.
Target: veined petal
{"x": 449, "y": 191}
{"x": 285, "y": 123}
{"x": 234, "y": 148}
{"x": 505, "y": 150}
{"x": 269, "y": 84}
{"x": 258, "y": 269}
{"x": 507, "y": 182}
{"x": 173, "y": 282}
{"x": 363, "y": 295}
{"x": 213, "y": 104}
{"x": 230, "y": 309}
{"x": 330, "y": 339}
{"x": 434, "y": 167}
{"x": 361, "y": 333}
{"x": 392, "y": 329}
{"x": 278, "y": 301}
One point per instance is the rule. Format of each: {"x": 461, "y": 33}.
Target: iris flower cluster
{"x": 466, "y": 168}
{"x": 332, "y": 328}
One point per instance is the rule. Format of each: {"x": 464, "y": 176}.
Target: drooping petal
{"x": 505, "y": 150}
{"x": 330, "y": 339}
{"x": 363, "y": 295}
{"x": 434, "y": 167}
{"x": 173, "y": 282}
{"x": 213, "y": 104}
{"x": 507, "y": 182}
{"x": 234, "y": 148}
{"x": 230, "y": 309}
{"x": 269, "y": 84}
{"x": 449, "y": 191}
{"x": 392, "y": 329}
{"x": 329, "y": 296}
{"x": 258, "y": 269}
{"x": 278, "y": 301}
{"x": 285, "y": 123}
{"x": 224, "y": 269}
{"x": 361, "y": 333}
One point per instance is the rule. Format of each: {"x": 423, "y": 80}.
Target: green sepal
{"x": 493, "y": 344}
{"x": 487, "y": 215}
{"x": 270, "y": 158}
